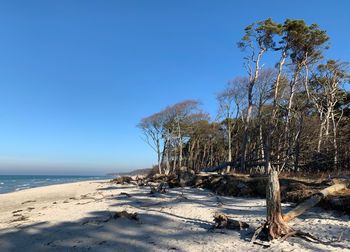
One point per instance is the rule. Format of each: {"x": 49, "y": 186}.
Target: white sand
{"x": 76, "y": 217}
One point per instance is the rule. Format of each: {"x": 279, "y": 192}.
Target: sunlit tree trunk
{"x": 229, "y": 133}
{"x": 275, "y": 224}
{"x": 252, "y": 80}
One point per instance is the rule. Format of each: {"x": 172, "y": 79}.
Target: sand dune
{"x": 78, "y": 217}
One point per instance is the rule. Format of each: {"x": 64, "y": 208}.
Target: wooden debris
{"x": 161, "y": 188}
{"x": 122, "y": 180}
{"x": 223, "y": 221}
{"x": 125, "y": 214}
{"x": 126, "y": 194}
{"x": 315, "y": 199}
{"x": 140, "y": 181}
{"x": 186, "y": 177}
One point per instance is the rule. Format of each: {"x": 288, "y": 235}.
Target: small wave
{"x": 21, "y": 188}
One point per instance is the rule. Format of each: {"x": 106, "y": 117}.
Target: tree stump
{"x": 275, "y": 226}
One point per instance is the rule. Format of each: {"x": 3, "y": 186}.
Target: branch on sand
{"x": 223, "y": 221}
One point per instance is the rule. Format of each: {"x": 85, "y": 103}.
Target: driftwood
{"x": 125, "y": 214}
{"x": 161, "y": 188}
{"x": 125, "y": 194}
{"x": 223, "y": 221}
{"x": 140, "y": 181}
{"x": 315, "y": 199}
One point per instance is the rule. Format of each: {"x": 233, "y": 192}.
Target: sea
{"x": 12, "y": 183}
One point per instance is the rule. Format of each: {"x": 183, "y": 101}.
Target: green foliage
{"x": 304, "y": 42}
{"x": 262, "y": 32}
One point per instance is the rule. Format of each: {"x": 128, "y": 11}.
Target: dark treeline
{"x": 290, "y": 116}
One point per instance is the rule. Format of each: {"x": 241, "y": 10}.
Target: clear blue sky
{"x": 77, "y": 76}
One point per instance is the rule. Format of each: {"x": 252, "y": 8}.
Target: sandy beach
{"x": 78, "y": 217}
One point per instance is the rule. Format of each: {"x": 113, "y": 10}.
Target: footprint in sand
{"x": 28, "y": 201}
{"x": 17, "y": 211}
{"x": 20, "y": 218}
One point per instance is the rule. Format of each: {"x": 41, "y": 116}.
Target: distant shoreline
{"x": 15, "y": 183}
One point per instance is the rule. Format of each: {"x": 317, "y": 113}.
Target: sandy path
{"x": 77, "y": 217}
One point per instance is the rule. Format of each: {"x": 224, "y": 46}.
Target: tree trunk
{"x": 174, "y": 160}
{"x": 320, "y": 134}
{"x": 190, "y": 155}
{"x": 167, "y": 156}
{"x": 287, "y": 128}
{"x": 211, "y": 154}
{"x": 297, "y": 143}
{"x": 335, "y": 145}
{"x": 252, "y": 81}
{"x": 180, "y": 143}
{"x": 228, "y": 169}
{"x": 275, "y": 225}
{"x": 261, "y": 143}
{"x": 159, "y": 156}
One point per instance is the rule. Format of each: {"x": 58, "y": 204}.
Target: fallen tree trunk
{"x": 315, "y": 199}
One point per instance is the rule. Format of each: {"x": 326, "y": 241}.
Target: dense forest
{"x": 290, "y": 111}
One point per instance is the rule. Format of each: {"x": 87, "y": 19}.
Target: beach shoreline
{"x": 14, "y": 183}
{"x": 79, "y": 216}
{"x": 44, "y": 193}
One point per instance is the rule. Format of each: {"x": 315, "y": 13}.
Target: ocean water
{"x": 11, "y": 183}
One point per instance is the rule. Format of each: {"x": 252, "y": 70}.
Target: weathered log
{"x": 315, "y": 199}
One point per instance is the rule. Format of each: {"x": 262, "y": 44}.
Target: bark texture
{"x": 275, "y": 225}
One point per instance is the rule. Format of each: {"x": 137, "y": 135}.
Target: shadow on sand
{"x": 158, "y": 228}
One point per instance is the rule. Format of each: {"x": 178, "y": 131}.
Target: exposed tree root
{"x": 262, "y": 232}
{"x": 268, "y": 232}
{"x": 311, "y": 238}
{"x": 161, "y": 188}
